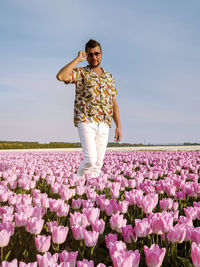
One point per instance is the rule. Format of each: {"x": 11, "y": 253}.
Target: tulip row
{"x": 143, "y": 210}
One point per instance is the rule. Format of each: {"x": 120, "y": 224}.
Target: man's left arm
{"x": 116, "y": 118}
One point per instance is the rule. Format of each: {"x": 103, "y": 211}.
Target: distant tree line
{"x": 36, "y": 145}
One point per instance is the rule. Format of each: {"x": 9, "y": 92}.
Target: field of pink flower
{"x": 144, "y": 210}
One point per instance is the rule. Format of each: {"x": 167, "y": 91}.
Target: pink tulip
{"x": 92, "y": 214}
{"x": 166, "y": 204}
{"x": 76, "y": 203}
{"x": 59, "y": 234}
{"x": 180, "y": 195}
{"x": 126, "y": 258}
{"x": 142, "y": 227}
{"x": 114, "y": 204}
{"x": 154, "y": 255}
{"x": 110, "y": 238}
{"x": 87, "y": 203}
{"x": 78, "y": 232}
{"x": 20, "y": 219}
{"x": 149, "y": 202}
{"x": 117, "y": 221}
{"x": 78, "y": 218}
{"x": 114, "y": 192}
{"x": 51, "y": 225}
{"x": 9, "y": 226}
{"x": 129, "y": 234}
{"x": 85, "y": 263}
{"x": 195, "y": 254}
{"x": 80, "y": 190}
{"x": 63, "y": 210}
{"x": 90, "y": 238}
{"x": 53, "y": 205}
{"x": 196, "y": 235}
{"x": 13, "y": 263}
{"x": 42, "y": 243}
{"x": 30, "y": 264}
{"x": 98, "y": 226}
{"x": 34, "y": 225}
{"x": 191, "y": 212}
{"x": 185, "y": 220}
{"x": 123, "y": 206}
{"x": 118, "y": 246}
{"x": 177, "y": 234}
{"x": 45, "y": 202}
{"x": 69, "y": 257}
{"x": 4, "y": 238}
{"x": 47, "y": 260}
{"x": 109, "y": 210}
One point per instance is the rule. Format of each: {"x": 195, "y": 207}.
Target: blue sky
{"x": 151, "y": 47}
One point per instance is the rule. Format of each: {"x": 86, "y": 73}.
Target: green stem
{"x": 92, "y": 251}
{"x": 1, "y": 254}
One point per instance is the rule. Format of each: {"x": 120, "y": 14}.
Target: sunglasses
{"x": 95, "y": 53}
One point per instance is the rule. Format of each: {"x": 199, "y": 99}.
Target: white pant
{"x": 94, "y": 139}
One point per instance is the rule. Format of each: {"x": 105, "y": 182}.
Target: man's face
{"x": 94, "y": 56}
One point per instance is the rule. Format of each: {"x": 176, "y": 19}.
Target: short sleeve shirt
{"x": 94, "y": 96}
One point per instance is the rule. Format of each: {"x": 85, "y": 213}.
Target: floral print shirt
{"x": 94, "y": 96}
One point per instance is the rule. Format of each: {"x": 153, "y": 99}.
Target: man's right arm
{"x": 65, "y": 74}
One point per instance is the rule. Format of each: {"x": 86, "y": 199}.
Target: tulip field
{"x": 143, "y": 210}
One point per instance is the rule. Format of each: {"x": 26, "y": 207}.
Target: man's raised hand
{"x": 82, "y": 55}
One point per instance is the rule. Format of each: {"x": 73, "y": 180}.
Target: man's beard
{"x": 95, "y": 66}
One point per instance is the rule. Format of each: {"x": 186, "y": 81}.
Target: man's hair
{"x": 92, "y": 44}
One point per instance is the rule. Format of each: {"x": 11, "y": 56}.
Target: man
{"x": 94, "y": 107}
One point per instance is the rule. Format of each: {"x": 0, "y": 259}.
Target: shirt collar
{"x": 90, "y": 70}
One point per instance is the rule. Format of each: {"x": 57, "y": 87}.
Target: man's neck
{"x": 98, "y": 70}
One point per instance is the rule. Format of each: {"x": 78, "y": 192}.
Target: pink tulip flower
{"x": 129, "y": 234}
{"x": 195, "y": 235}
{"x": 9, "y": 226}
{"x": 126, "y": 258}
{"x": 117, "y": 221}
{"x": 51, "y": 225}
{"x": 47, "y": 260}
{"x": 118, "y": 246}
{"x": 80, "y": 190}
{"x": 76, "y": 203}
{"x": 123, "y": 206}
{"x": 13, "y": 263}
{"x": 4, "y": 238}
{"x": 166, "y": 204}
{"x": 142, "y": 227}
{"x": 191, "y": 212}
{"x": 69, "y": 257}
{"x": 30, "y": 264}
{"x": 78, "y": 218}
{"x": 98, "y": 226}
{"x": 149, "y": 202}
{"x": 154, "y": 255}
{"x": 85, "y": 263}
{"x": 114, "y": 192}
{"x": 34, "y": 225}
{"x": 59, "y": 234}
{"x": 110, "y": 238}
{"x": 90, "y": 238}
{"x": 78, "y": 231}
{"x": 177, "y": 234}
{"x": 42, "y": 243}
{"x": 20, "y": 219}
{"x": 109, "y": 210}
{"x": 195, "y": 254}
{"x": 92, "y": 214}
{"x": 63, "y": 210}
